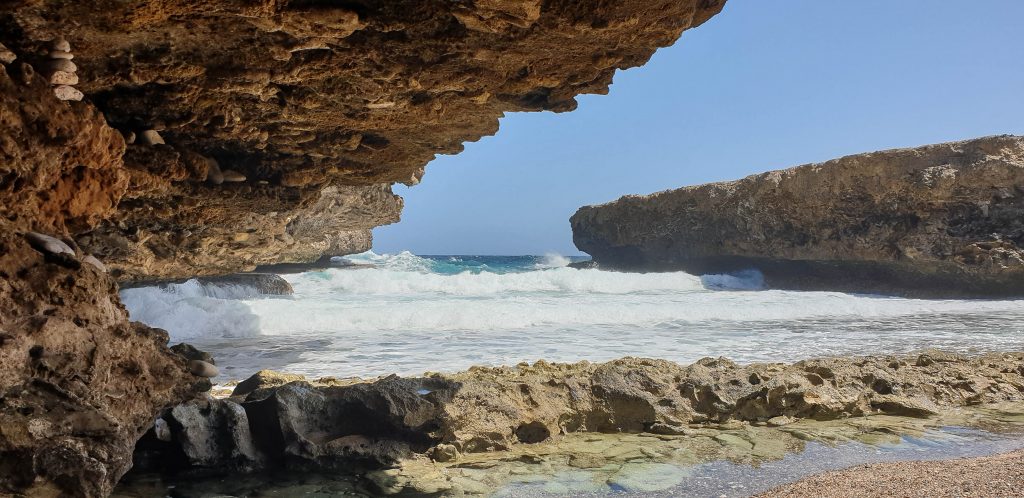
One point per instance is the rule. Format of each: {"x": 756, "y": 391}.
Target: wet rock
{"x": 907, "y": 407}
{"x": 190, "y": 352}
{"x": 944, "y": 219}
{"x": 389, "y": 421}
{"x": 58, "y": 54}
{"x": 215, "y": 433}
{"x": 202, "y": 369}
{"x": 268, "y": 284}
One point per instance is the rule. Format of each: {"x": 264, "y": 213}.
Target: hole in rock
{"x": 532, "y": 432}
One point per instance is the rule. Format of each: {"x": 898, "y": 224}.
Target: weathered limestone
{"x": 317, "y": 106}
{"x": 278, "y": 92}
{"x": 79, "y": 383}
{"x": 331, "y": 423}
{"x": 939, "y": 220}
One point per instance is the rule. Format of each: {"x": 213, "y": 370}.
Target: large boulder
{"x": 939, "y": 220}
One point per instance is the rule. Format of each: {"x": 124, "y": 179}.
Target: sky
{"x": 764, "y": 85}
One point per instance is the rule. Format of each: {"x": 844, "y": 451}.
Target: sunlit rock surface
{"x": 935, "y": 221}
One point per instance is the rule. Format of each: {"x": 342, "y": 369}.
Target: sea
{"x": 379, "y": 314}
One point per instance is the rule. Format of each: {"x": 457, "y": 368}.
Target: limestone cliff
{"x": 938, "y": 220}
{"x": 270, "y": 111}
{"x": 171, "y": 138}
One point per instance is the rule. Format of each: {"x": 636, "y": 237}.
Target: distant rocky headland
{"x": 942, "y": 220}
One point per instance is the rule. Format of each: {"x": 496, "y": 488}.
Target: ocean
{"x": 407, "y": 314}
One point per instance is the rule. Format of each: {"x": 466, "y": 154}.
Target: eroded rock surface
{"x": 283, "y": 124}
{"x": 332, "y": 424}
{"x": 211, "y": 138}
{"x": 938, "y": 220}
{"x": 79, "y": 383}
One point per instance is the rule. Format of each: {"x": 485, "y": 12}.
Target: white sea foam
{"x": 401, "y": 316}
{"x": 553, "y": 260}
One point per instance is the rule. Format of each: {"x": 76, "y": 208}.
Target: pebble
{"x": 202, "y": 369}
{"x": 61, "y": 44}
{"x": 63, "y": 78}
{"x": 62, "y": 65}
{"x": 150, "y": 137}
{"x": 129, "y": 138}
{"x": 47, "y": 244}
{"x": 214, "y": 175}
{"x": 92, "y": 260}
{"x": 231, "y": 175}
{"x": 59, "y": 54}
{"x": 162, "y": 430}
{"x": 67, "y": 92}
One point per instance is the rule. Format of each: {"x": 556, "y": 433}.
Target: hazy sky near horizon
{"x": 763, "y": 85}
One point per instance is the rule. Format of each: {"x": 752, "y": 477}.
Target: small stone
{"x": 6, "y": 56}
{"x": 48, "y": 245}
{"x": 67, "y": 92}
{"x": 444, "y": 453}
{"x": 162, "y": 430}
{"x": 150, "y": 137}
{"x": 780, "y": 421}
{"x": 61, "y": 65}
{"x": 60, "y": 54}
{"x": 231, "y": 175}
{"x": 214, "y": 175}
{"x": 89, "y": 258}
{"x": 380, "y": 105}
{"x": 129, "y": 138}
{"x": 63, "y": 78}
{"x": 202, "y": 369}
{"x": 60, "y": 44}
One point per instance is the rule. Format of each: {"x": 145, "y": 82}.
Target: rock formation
{"x": 214, "y": 137}
{"x": 79, "y": 383}
{"x": 335, "y": 424}
{"x": 938, "y": 220}
{"x": 314, "y": 108}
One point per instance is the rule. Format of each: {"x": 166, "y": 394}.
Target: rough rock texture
{"x": 321, "y": 106}
{"x": 214, "y": 137}
{"x": 332, "y": 424}
{"x": 938, "y": 220}
{"x": 79, "y": 384}
{"x": 999, "y": 475}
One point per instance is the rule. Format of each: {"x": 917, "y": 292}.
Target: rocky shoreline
{"x": 936, "y": 221}
{"x": 413, "y": 425}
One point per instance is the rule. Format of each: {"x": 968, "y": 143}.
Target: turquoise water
{"x": 401, "y": 313}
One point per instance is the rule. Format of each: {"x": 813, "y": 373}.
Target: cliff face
{"x": 79, "y": 383}
{"x": 938, "y": 220}
{"x": 174, "y": 138}
{"x": 291, "y": 99}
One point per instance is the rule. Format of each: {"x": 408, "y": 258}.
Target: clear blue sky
{"x": 763, "y": 85}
